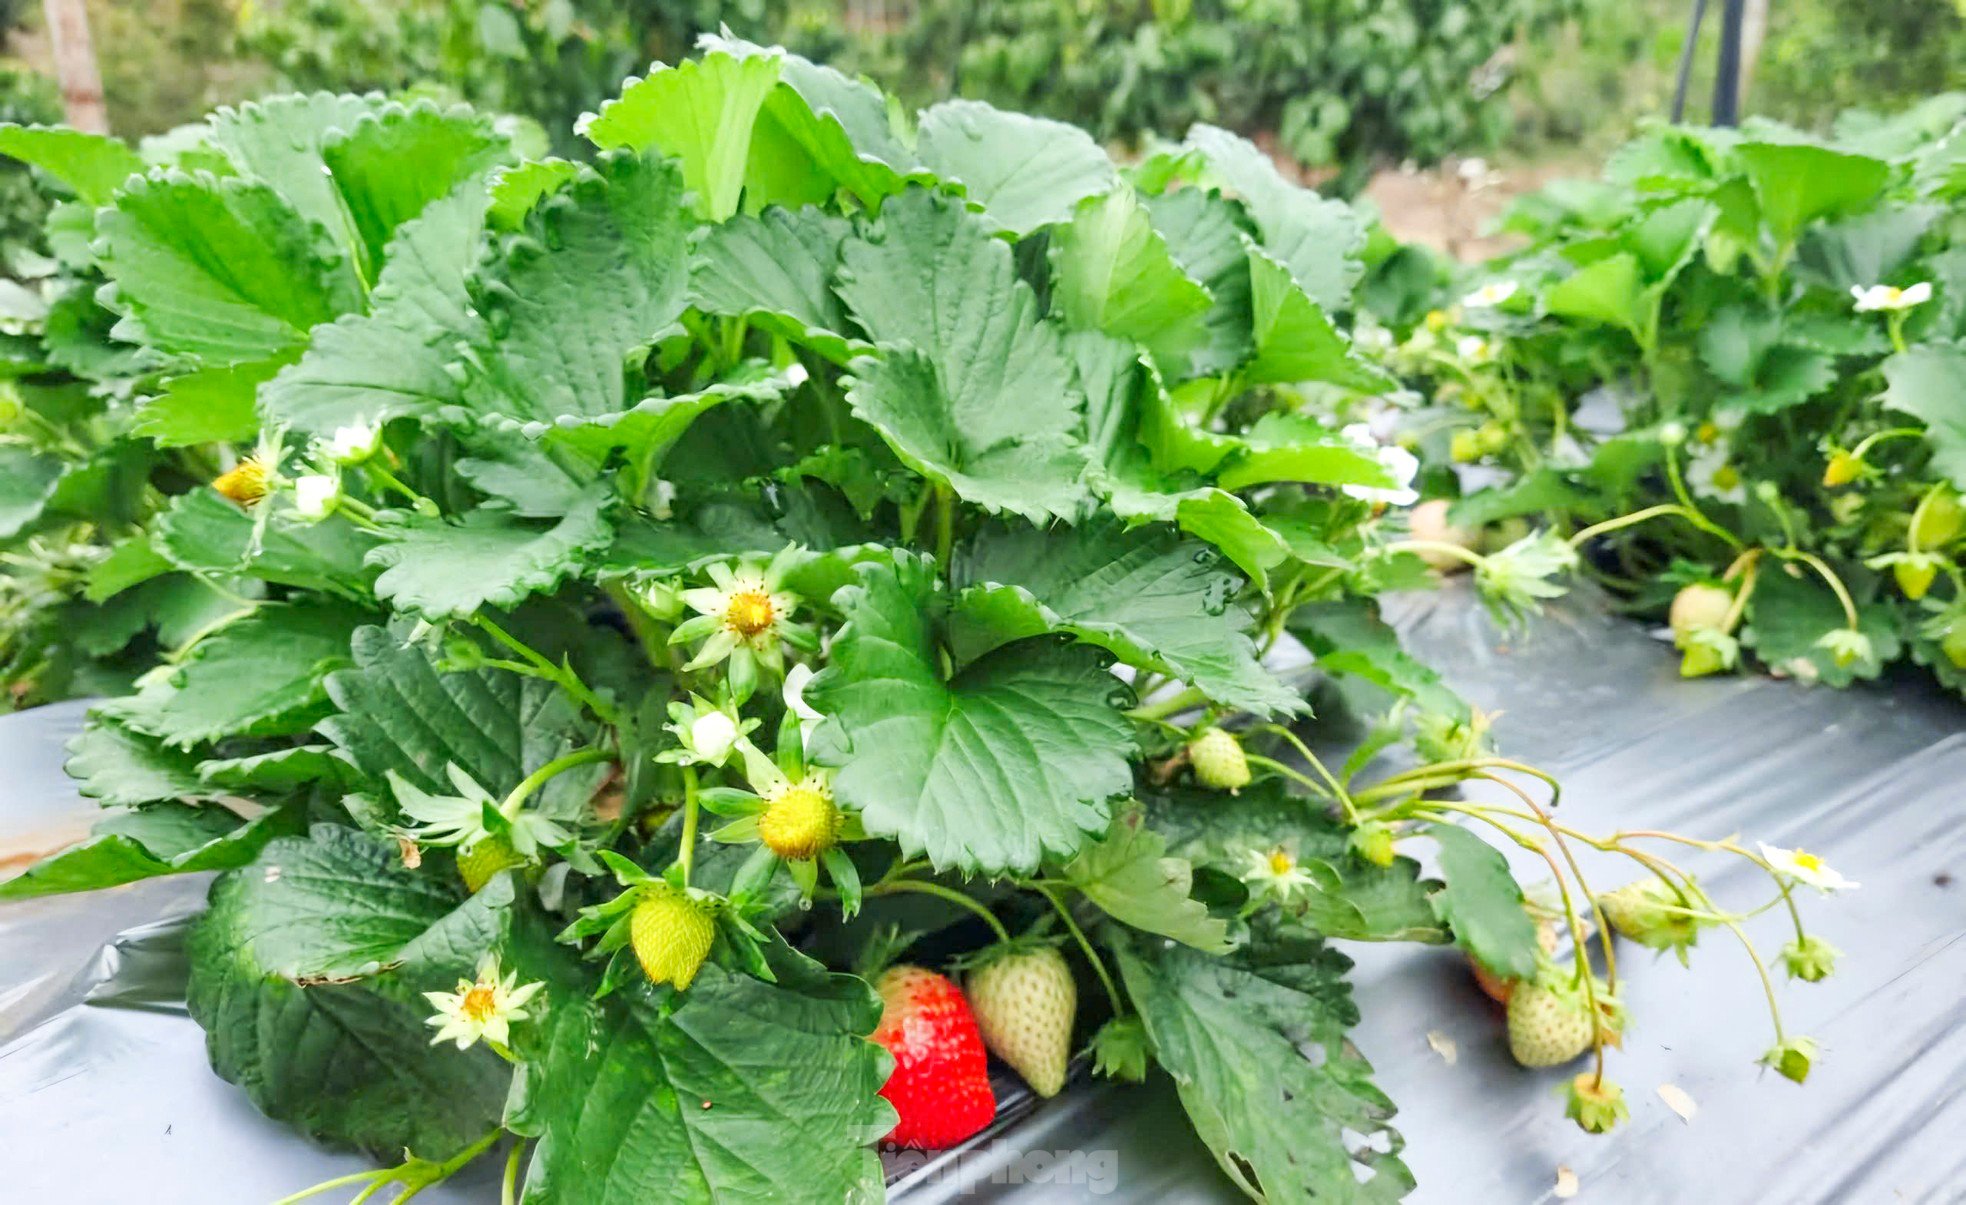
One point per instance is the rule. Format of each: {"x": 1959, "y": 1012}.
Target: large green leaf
{"x": 213, "y": 405}
{"x": 114, "y": 765}
{"x": 1149, "y": 596}
{"x": 700, "y": 112}
{"x": 1111, "y": 272}
{"x": 1797, "y": 183}
{"x": 280, "y": 141}
{"x": 205, "y": 534}
{"x": 1607, "y": 292}
{"x": 93, "y": 165}
{"x": 1258, "y": 1045}
{"x": 259, "y": 676}
{"x": 1345, "y": 897}
{"x": 777, "y": 267}
{"x": 346, "y": 1062}
{"x": 1290, "y": 447}
{"x": 1131, "y": 878}
{"x": 1928, "y": 382}
{"x": 495, "y": 725}
{"x": 448, "y": 148}
{"x": 1294, "y": 339}
{"x": 155, "y": 839}
{"x": 1790, "y": 614}
{"x": 220, "y": 269}
{"x": 601, "y": 270}
{"x": 1024, "y": 171}
{"x": 1317, "y": 239}
{"x": 1018, "y": 755}
{"x": 985, "y": 401}
{"x": 440, "y": 569}
{"x": 367, "y": 368}
{"x": 1204, "y": 233}
{"x": 1483, "y": 905}
{"x": 27, "y": 481}
{"x": 738, "y": 1090}
{"x": 818, "y": 133}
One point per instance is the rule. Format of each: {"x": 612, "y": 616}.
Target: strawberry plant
{"x": 611, "y": 614}
{"x": 1730, "y": 375}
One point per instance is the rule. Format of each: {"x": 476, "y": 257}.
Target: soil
{"x": 1453, "y": 208}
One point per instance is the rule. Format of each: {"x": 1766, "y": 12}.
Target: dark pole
{"x": 1727, "y": 75}
{"x": 1686, "y": 60}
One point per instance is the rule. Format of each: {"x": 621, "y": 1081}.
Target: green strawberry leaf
{"x": 700, "y": 112}
{"x": 1295, "y": 341}
{"x": 148, "y": 841}
{"x": 221, "y": 270}
{"x": 93, "y": 165}
{"x": 440, "y": 569}
{"x": 1347, "y": 637}
{"x": 494, "y": 725}
{"x": 1130, "y": 876}
{"x": 1797, "y": 183}
{"x": 448, "y": 148}
{"x": 1017, "y": 756}
{"x": 1345, "y": 897}
{"x": 615, "y": 1094}
{"x": 1024, "y": 172}
{"x": 1151, "y": 598}
{"x": 777, "y": 268}
{"x": 1928, "y": 382}
{"x": 1111, "y": 272}
{"x": 345, "y": 1062}
{"x": 27, "y": 482}
{"x": 114, "y": 765}
{"x": 985, "y": 400}
{"x": 601, "y": 270}
{"x": 259, "y": 676}
{"x": 1317, "y": 240}
{"x": 1483, "y": 905}
{"x": 1608, "y": 292}
{"x": 1284, "y": 1006}
{"x": 1791, "y": 613}
{"x": 213, "y": 405}
{"x": 1203, "y": 233}
{"x": 205, "y": 534}
{"x": 391, "y": 361}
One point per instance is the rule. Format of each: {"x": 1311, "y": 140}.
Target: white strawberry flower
{"x": 1490, "y": 295}
{"x": 744, "y": 614}
{"x": 1710, "y": 475}
{"x": 316, "y": 495}
{"x": 1401, "y": 465}
{"x": 481, "y": 1009}
{"x": 1473, "y": 349}
{"x": 1274, "y": 873}
{"x": 1805, "y": 868}
{"x": 353, "y": 444}
{"x": 794, "y": 695}
{"x": 1890, "y": 299}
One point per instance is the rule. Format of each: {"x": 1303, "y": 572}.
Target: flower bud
{"x": 1373, "y": 842}
{"x": 1792, "y": 1058}
{"x": 1842, "y": 469}
{"x": 353, "y": 444}
{"x": 1810, "y": 959}
{"x": 316, "y": 495}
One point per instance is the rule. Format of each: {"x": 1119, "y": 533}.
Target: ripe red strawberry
{"x": 941, "y": 1080}
{"x": 1025, "y": 1003}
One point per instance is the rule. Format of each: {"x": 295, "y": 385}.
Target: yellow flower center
{"x": 1708, "y": 432}
{"x": 801, "y": 823}
{"x": 750, "y": 612}
{"x": 1893, "y": 294}
{"x": 1726, "y": 477}
{"x": 1807, "y": 861}
{"x": 479, "y": 1003}
{"x": 245, "y": 483}
{"x": 1281, "y": 862}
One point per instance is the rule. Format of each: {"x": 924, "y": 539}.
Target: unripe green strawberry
{"x": 671, "y": 934}
{"x": 1218, "y": 760}
{"x": 1464, "y": 446}
{"x": 801, "y": 823}
{"x": 1953, "y": 645}
{"x": 1915, "y": 577}
{"x": 1492, "y": 437}
{"x": 1549, "y": 1024}
{"x": 1842, "y": 469}
{"x": 1025, "y": 1001}
{"x": 1699, "y": 606}
{"x": 1643, "y": 911}
{"x": 1938, "y": 520}
{"x": 489, "y": 856}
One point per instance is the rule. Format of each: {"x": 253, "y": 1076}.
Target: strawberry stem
{"x": 1085, "y": 946}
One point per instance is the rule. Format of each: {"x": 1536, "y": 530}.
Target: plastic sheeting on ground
{"x": 105, "y": 1094}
